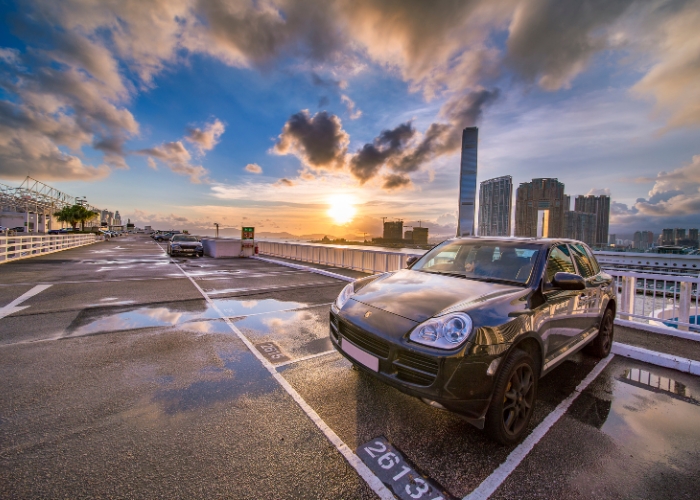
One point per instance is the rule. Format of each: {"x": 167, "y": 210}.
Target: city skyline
{"x": 332, "y": 115}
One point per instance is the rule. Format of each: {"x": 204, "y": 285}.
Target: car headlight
{"x": 344, "y": 295}
{"x": 443, "y": 332}
{"x": 175, "y": 247}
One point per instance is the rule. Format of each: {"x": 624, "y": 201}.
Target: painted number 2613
{"x": 387, "y": 460}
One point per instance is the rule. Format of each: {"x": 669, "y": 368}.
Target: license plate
{"x": 359, "y": 355}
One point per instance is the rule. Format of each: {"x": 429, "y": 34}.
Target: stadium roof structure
{"x": 35, "y": 196}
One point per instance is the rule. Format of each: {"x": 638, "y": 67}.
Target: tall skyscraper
{"x": 668, "y": 237}
{"x": 693, "y": 234}
{"x": 580, "y": 226}
{"x": 540, "y": 200}
{"x": 600, "y": 206}
{"x": 495, "y": 197}
{"x": 467, "y": 181}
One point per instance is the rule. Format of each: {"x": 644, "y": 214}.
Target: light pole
{"x": 216, "y": 224}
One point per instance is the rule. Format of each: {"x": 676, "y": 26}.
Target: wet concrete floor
{"x": 122, "y": 380}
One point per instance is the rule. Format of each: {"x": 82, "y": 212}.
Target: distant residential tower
{"x": 495, "y": 197}
{"x": 539, "y": 208}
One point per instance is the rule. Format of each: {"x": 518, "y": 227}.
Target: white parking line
{"x": 365, "y": 473}
{"x": 306, "y": 268}
{"x": 14, "y": 306}
{"x": 304, "y": 358}
{"x": 491, "y": 483}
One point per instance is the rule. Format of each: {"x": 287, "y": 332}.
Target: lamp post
{"x": 216, "y": 224}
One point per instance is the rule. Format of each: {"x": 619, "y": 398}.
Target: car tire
{"x": 511, "y": 408}
{"x": 602, "y": 344}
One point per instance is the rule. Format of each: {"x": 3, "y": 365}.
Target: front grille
{"x": 416, "y": 368}
{"x": 334, "y": 327}
{"x": 364, "y": 340}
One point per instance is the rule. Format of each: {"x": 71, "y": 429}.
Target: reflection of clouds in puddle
{"x": 653, "y": 426}
{"x": 237, "y": 307}
{"x": 148, "y": 317}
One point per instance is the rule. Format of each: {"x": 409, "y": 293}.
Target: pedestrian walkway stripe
{"x": 365, "y": 473}
{"x": 497, "y": 477}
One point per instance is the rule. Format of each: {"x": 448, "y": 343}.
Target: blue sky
{"x": 157, "y": 108}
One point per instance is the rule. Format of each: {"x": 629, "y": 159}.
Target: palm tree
{"x": 67, "y": 214}
{"x": 83, "y": 215}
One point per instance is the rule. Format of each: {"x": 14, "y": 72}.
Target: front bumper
{"x": 457, "y": 380}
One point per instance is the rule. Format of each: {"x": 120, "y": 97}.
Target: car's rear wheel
{"x": 513, "y": 399}
{"x": 602, "y": 344}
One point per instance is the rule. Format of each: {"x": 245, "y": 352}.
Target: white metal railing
{"x": 22, "y": 247}
{"x": 661, "y": 300}
{"x": 369, "y": 261}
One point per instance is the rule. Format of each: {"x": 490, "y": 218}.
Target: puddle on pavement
{"x": 242, "y": 375}
{"x": 196, "y": 316}
{"x": 652, "y": 415}
{"x": 237, "y": 307}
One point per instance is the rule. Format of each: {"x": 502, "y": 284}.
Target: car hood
{"x": 418, "y": 295}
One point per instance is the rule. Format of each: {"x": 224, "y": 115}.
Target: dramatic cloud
{"x": 253, "y": 168}
{"x": 285, "y": 182}
{"x": 209, "y": 137}
{"x": 85, "y": 62}
{"x": 177, "y": 159}
{"x": 319, "y": 141}
{"x": 674, "y": 193}
{"x": 386, "y": 148}
{"x": 396, "y": 181}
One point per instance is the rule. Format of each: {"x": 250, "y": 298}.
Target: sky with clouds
{"x": 184, "y": 113}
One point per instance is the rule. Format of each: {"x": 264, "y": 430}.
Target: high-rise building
{"x": 580, "y": 226}
{"x": 420, "y": 235}
{"x": 693, "y": 234}
{"x": 117, "y": 219}
{"x": 495, "y": 197}
{"x": 600, "y": 206}
{"x": 539, "y": 200}
{"x": 678, "y": 235}
{"x": 393, "y": 230}
{"x": 668, "y": 237}
{"x": 467, "y": 181}
{"x": 612, "y": 239}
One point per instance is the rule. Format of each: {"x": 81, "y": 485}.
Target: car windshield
{"x": 486, "y": 261}
{"x": 184, "y": 238}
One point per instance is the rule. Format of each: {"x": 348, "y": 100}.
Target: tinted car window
{"x": 184, "y": 238}
{"x": 509, "y": 262}
{"x": 559, "y": 262}
{"x": 591, "y": 257}
{"x": 583, "y": 261}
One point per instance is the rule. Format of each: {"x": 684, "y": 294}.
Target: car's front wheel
{"x": 513, "y": 399}
{"x": 602, "y": 344}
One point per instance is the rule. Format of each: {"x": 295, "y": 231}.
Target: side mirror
{"x": 568, "y": 281}
{"x": 411, "y": 260}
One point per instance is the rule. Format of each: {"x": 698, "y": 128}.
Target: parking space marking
{"x": 306, "y": 268}
{"x": 305, "y": 358}
{"x": 364, "y": 472}
{"x": 491, "y": 483}
{"x": 14, "y": 306}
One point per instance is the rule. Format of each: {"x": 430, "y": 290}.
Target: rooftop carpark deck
{"x": 127, "y": 373}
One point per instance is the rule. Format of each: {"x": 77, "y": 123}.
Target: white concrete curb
{"x": 661, "y": 330}
{"x": 657, "y": 358}
{"x": 306, "y": 268}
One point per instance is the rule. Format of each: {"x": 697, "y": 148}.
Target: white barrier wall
{"x": 23, "y": 247}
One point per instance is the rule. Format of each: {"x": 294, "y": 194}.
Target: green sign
{"x": 248, "y": 233}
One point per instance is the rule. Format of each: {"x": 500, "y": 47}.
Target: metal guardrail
{"x": 661, "y": 300}
{"x": 22, "y": 247}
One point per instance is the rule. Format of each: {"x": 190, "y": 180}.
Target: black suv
{"x": 474, "y": 323}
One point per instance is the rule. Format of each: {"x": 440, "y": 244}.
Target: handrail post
{"x": 684, "y": 305}
{"x": 627, "y": 298}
